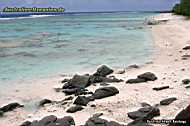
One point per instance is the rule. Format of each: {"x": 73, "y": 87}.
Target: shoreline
{"x": 167, "y": 65}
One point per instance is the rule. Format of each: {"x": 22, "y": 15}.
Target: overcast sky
{"x": 94, "y": 5}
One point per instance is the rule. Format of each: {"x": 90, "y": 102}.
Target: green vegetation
{"x": 183, "y": 8}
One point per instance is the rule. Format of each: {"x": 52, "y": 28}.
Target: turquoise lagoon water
{"x": 43, "y": 46}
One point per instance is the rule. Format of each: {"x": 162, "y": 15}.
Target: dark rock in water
{"x": 137, "y": 80}
{"x": 168, "y": 101}
{"x": 74, "y": 109}
{"x": 148, "y": 76}
{"x": 79, "y": 81}
{"x": 44, "y": 101}
{"x": 51, "y": 121}
{"x": 27, "y": 123}
{"x": 81, "y": 100}
{"x": 161, "y": 88}
{"x": 105, "y": 92}
{"x": 10, "y": 107}
{"x": 139, "y": 122}
{"x": 103, "y": 71}
{"x": 96, "y": 121}
{"x": 186, "y": 81}
{"x": 183, "y": 115}
{"x": 186, "y": 48}
{"x": 144, "y": 113}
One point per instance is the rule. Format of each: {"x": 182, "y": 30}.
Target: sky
{"x": 94, "y": 5}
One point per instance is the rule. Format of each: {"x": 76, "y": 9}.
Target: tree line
{"x": 183, "y": 8}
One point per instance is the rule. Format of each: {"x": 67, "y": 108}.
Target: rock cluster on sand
{"x": 147, "y": 112}
{"x": 51, "y": 121}
{"x": 78, "y": 83}
{"x": 77, "y": 86}
{"x": 9, "y": 107}
{"x": 148, "y": 76}
{"x": 98, "y": 94}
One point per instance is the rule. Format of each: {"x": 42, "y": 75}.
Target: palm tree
{"x": 183, "y": 8}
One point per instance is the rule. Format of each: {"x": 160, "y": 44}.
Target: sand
{"x": 169, "y": 37}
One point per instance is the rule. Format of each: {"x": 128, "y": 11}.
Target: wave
{"x": 31, "y": 16}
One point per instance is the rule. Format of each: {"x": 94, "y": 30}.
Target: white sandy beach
{"x": 167, "y": 64}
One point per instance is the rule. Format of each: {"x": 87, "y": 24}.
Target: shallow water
{"x": 41, "y": 47}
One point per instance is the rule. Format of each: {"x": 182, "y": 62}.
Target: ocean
{"x": 42, "y": 46}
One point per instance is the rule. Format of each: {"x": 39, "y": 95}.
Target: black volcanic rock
{"x": 168, "y": 101}
{"x": 51, "y": 121}
{"x": 98, "y": 79}
{"x": 160, "y": 88}
{"x": 105, "y": 92}
{"x": 44, "y": 101}
{"x": 74, "y": 109}
{"x": 137, "y": 80}
{"x": 186, "y": 81}
{"x": 103, "y": 71}
{"x": 144, "y": 113}
{"x": 79, "y": 81}
{"x": 71, "y": 91}
{"x": 148, "y": 76}
{"x": 183, "y": 115}
{"x": 81, "y": 100}
{"x": 10, "y": 107}
{"x": 186, "y": 48}
{"x": 26, "y": 123}
{"x": 76, "y": 91}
